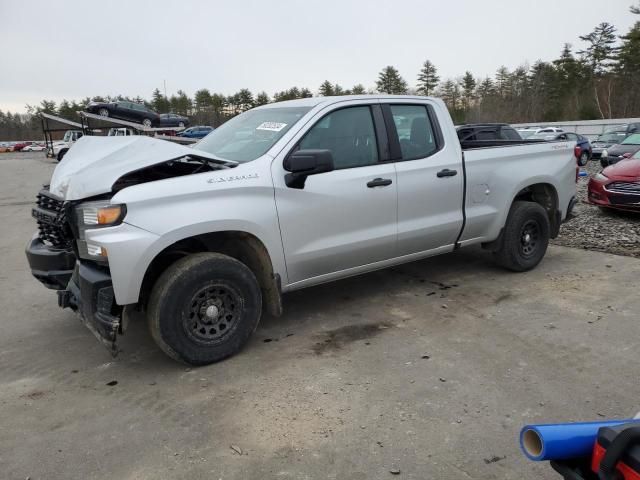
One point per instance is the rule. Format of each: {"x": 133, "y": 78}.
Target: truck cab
{"x": 60, "y": 148}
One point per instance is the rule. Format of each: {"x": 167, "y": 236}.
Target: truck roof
{"x": 313, "y": 101}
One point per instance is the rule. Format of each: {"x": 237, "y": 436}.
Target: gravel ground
{"x": 602, "y": 230}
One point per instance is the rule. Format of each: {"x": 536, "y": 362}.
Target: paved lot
{"x": 338, "y": 388}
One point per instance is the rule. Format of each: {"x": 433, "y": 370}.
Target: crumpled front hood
{"x": 93, "y": 164}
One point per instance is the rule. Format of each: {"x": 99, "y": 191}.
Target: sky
{"x": 78, "y": 48}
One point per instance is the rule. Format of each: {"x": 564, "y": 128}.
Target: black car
{"x": 607, "y": 140}
{"x": 130, "y": 111}
{"x": 487, "y": 131}
{"x": 173, "y": 120}
{"x": 624, "y": 149}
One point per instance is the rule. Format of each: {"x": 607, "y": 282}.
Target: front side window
{"x": 415, "y": 132}
{"x": 251, "y": 134}
{"x": 349, "y": 134}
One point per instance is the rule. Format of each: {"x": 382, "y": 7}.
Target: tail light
{"x": 577, "y": 151}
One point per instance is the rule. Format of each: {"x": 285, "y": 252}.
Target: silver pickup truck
{"x": 203, "y": 240}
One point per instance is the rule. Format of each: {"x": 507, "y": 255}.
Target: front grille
{"x": 51, "y": 215}
{"x": 632, "y": 188}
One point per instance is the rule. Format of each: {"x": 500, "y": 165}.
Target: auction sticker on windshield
{"x": 271, "y": 126}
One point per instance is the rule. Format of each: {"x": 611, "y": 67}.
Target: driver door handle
{"x": 379, "y": 182}
{"x": 447, "y": 173}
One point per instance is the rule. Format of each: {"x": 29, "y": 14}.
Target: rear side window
{"x": 487, "y": 134}
{"x": 415, "y": 132}
{"x": 349, "y": 134}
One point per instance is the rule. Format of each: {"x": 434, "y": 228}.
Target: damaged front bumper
{"x": 82, "y": 286}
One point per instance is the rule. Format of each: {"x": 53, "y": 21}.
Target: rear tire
{"x": 103, "y": 112}
{"x": 584, "y": 159}
{"x": 204, "y": 308}
{"x": 146, "y": 122}
{"x": 525, "y": 237}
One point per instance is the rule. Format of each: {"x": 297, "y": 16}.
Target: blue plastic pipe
{"x": 561, "y": 441}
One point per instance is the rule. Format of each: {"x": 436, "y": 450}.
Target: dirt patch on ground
{"x": 334, "y": 340}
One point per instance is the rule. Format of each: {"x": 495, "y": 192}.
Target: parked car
{"x": 196, "y": 132}
{"x": 34, "y": 147}
{"x": 583, "y": 151}
{"x": 60, "y": 148}
{"x": 130, "y": 111}
{"x": 18, "y": 146}
{"x": 281, "y": 197}
{"x": 625, "y": 149}
{"x": 487, "y": 131}
{"x": 617, "y": 186}
{"x": 607, "y": 140}
{"x": 527, "y": 132}
{"x": 548, "y": 133}
{"x": 173, "y": 120}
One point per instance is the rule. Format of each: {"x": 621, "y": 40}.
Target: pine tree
{"x": 326, "y": 89}
{"x": 390, "y": 81}
{"x": 358, "y": 89}
{"x": 202, "y": 100}
{"x": 601, "y": 49}
{"x": 428, "y": 78}
{"x": 262, "y": 99}
{"x": 502, "y": 82}
{"x": 468, "y": 85}
{"x": 305, "y": 93}
{"x": 159, "y": 102}
{"x": 245, "y": 99}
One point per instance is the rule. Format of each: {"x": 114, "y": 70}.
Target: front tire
{"x": 525, "y": 237}
{"x": 61, "y": 154}
{"x": 146, "y": 122}
{"x": 103, "y": 112}
{"x": 204, "y": 308}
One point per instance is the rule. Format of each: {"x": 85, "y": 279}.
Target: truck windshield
{"x": 251, "y": 134}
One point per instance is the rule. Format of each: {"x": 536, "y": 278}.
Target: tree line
{"x": 601, "y": 80}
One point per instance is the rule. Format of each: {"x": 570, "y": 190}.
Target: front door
{"x": 345, "y": 218}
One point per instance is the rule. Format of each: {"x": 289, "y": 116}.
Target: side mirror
{"x": 303, "y": 163}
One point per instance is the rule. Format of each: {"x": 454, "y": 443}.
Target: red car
{"x": 617, "y": 186}
{"x": 19, "y": 146}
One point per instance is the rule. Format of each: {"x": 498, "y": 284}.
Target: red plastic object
{"x": 598, "y": 453}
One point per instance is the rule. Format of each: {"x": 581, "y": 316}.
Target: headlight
{"x": 92, "y": 215}
{"x": 100, "y": 214}
{"x": 605, "y": 153}
{"x": 601, "y": 177}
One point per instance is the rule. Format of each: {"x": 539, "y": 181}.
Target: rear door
{"x": 344, "y": 219}
{"x": 430, "y": 179}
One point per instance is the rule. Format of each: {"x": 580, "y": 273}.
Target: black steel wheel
{"x": 204, "y": 308}
{"x": 525, "y": 237}
{"x": 214, "y": 311}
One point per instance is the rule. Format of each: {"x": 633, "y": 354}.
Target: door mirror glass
{"x": 303, "y": 163}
